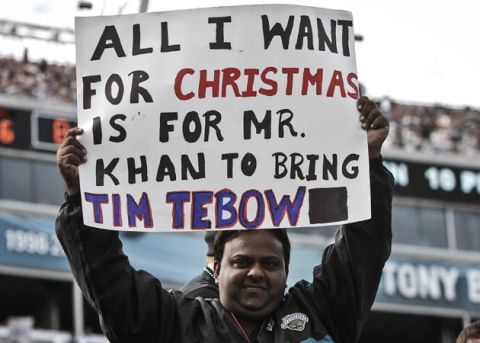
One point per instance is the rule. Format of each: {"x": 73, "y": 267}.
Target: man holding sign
{"x": 251, "y": 268}
{"x": 239, "y": 118}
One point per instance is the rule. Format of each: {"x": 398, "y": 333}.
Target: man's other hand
{"x": 70, "y": 155}
{"x": 376, "y": 125}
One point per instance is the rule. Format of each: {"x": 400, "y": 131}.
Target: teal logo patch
{"x": 294, "y": 321}
{"x": 326, "y": 339}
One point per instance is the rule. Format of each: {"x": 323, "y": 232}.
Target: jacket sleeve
{"x": 346, "y": 282}
{"x": 131, "y": 304}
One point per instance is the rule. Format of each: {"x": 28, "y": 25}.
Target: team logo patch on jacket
{"x": 326, "y": 339}
{"x": 295, "y": 321}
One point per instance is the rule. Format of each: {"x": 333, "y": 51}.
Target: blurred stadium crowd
{"x": 37, "y": 79}
{"x": 433, "y": 128}
{"x": 414, "y": 127}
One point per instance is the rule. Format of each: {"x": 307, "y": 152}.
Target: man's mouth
{"x": 254, "y": 288}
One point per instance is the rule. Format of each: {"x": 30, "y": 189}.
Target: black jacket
{"x": 135, "y": 308}
{"x": 202, "y": 285}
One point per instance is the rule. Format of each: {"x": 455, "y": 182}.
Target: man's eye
{"x": 271, "y": 264}
{"x": 240, "y": 263}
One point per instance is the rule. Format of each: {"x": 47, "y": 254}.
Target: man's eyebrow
{"x": 239, "y": 255}
{"x": 272, "y": 257}
{"x": 260, "y": 257}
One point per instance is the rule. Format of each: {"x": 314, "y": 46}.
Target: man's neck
{"x": 250, "y": 328}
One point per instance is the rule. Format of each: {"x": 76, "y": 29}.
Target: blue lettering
{"x": 97, "y": 200}
{"x": 199, "y": 211}
{"x": 117, "y": 211}
{"x": 178, "y": 199}
{"x": 243, "y": 209}
{"x": 139, "y": 211}
{"x": 228, "y": 206}
{"x": 277, "y": 211}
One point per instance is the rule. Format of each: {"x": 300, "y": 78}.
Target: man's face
{"x": 251, "y": 275}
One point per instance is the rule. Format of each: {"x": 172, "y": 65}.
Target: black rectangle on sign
{"x": 327, "y": 205}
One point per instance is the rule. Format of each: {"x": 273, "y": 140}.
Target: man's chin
{"x": 254, "y": 312}
{"x": 257, "y": 306}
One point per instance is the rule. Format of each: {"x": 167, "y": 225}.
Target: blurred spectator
{"x": 433, "y": 129}
{"x": 470, "y": 334}
{"x": 37, "y": 79}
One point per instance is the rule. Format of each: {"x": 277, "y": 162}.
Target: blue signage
{"x": 28, "y": 241}
{"x": 432, "y": 284}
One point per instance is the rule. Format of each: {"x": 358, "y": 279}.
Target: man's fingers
{"x": 72, "y": 150}
{"x": 70, "y": 160}
{"x": 71, "y": 141}
{"x": 362, "y": 101}
{"x": 370, "y": 117}
{"x": 71, "y": 137}
{"x": 365, "y": 106}
{"x": 73, "y": 132}
{"x": 380, "y": 123}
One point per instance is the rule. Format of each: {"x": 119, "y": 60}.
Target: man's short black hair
{"x": 471, "y": 331}
{"x": 222, "y": 237}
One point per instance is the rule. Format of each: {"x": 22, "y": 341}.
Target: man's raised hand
{"x": 376, "y": 125}
{"x": 70, "y": 155}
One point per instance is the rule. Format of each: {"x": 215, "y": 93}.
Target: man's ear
{"x": 216, "y": 270}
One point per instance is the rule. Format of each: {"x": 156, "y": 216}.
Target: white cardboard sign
{"x": 218, "y": 118}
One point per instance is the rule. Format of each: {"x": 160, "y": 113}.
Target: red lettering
{"x": 289, "y": 72}
{"x": 352, "y": 82}
{"x": 336, "y": 81}
{"x": 250, "y": 82}
{"x": 178, "y": 84}
{"x": 229, "y": 78}
{"x": 251, "y": 73}
{"x": 203, "y": 83}
{"x": 272, "y": 83}
{"x": 310, "y": 79}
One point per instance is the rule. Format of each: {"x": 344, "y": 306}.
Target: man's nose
{"x": 256, "y": 271}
